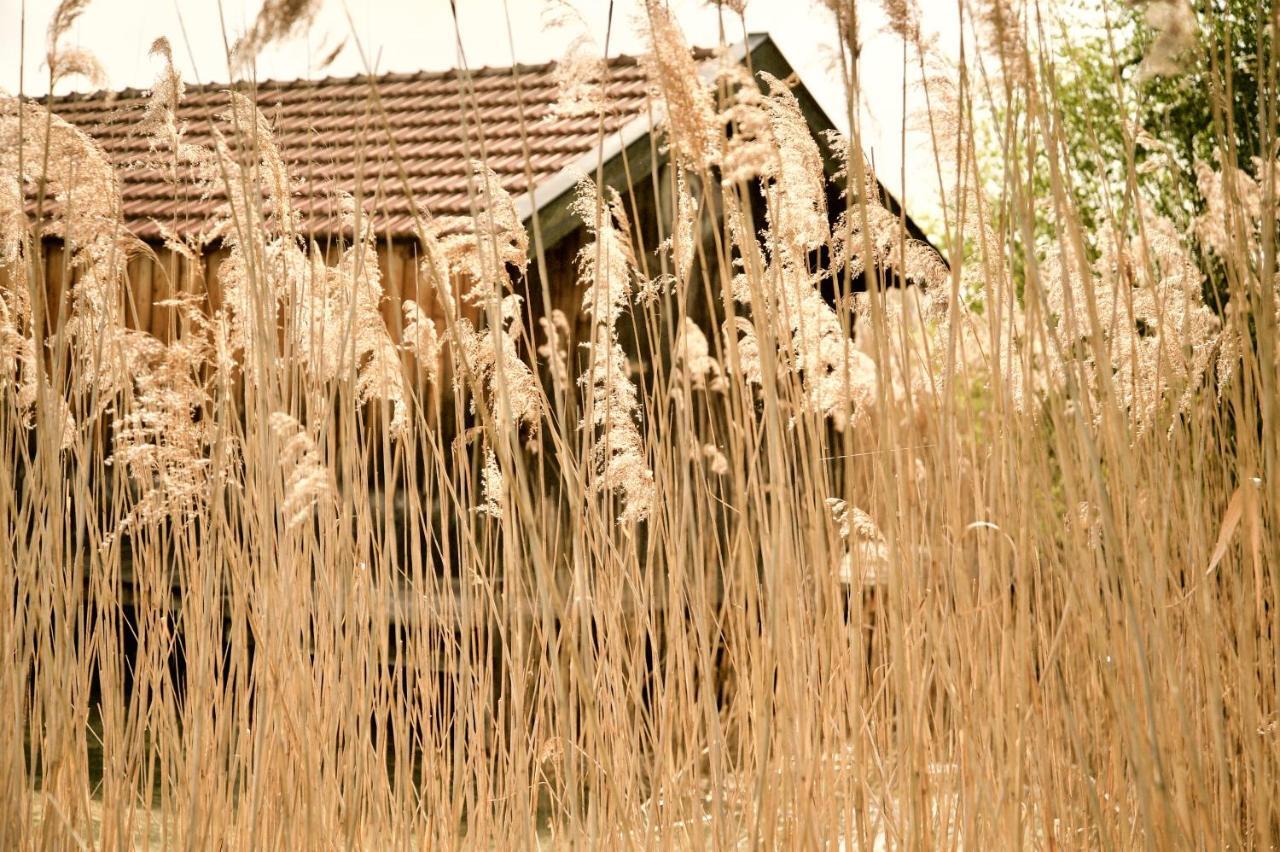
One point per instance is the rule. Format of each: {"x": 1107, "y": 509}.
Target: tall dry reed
{"x": 981, "y": 556}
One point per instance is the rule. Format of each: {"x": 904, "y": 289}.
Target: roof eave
{"x": 550, "y": 200}
{"x": 555, "y": 193}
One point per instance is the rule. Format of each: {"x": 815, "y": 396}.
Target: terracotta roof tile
{"x": 335, "y": 134}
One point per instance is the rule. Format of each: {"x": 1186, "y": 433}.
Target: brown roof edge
{"x": 766, "y": 55}
{"x": 551, "y": 198}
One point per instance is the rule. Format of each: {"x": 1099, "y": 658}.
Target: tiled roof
{"x": 335, "y": 135}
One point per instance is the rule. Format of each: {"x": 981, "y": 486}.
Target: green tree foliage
{"x": 1214, "y": 105}
{"x": 1136, "y": 114}
{"x": 1115, "y": 110}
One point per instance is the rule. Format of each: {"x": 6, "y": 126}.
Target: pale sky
{"x": 411, "y": 35}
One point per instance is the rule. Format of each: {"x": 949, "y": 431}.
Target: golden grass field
{"x": 988, "y": 561}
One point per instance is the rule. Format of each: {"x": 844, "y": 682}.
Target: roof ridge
{"x": 622, "y": 60}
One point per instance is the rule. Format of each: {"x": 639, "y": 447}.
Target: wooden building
{"x": 401, "y": 144}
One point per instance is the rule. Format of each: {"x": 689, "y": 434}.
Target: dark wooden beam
{"x": 633, "y": 164}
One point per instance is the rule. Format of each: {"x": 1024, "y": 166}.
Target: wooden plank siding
{"x": 152, "y": 280}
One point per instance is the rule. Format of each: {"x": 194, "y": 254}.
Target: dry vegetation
{"x": 988, "y": 563}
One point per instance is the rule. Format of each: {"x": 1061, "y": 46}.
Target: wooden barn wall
{"x": 154, "y": 281}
